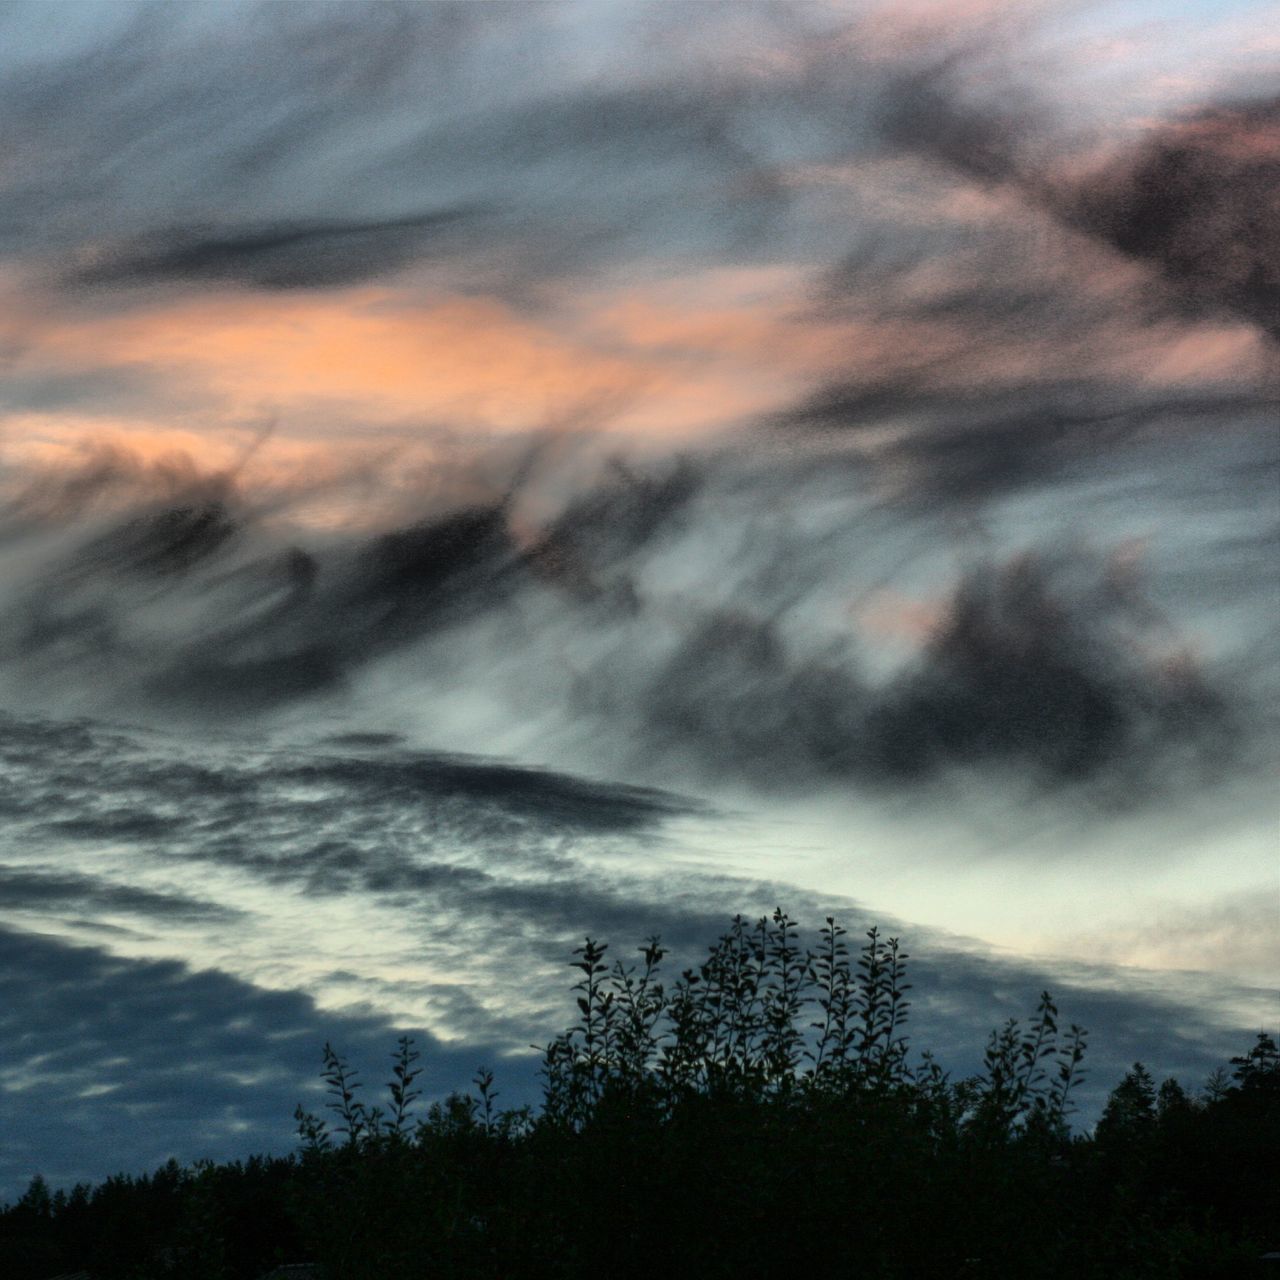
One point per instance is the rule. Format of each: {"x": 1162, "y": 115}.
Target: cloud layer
{"x": 476, "y": 475}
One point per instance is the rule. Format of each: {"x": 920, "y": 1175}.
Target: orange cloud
{"x": 347, "y": 374}
{"x": 661, "y": 358}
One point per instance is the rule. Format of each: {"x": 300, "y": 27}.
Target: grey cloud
{"x": 229, "y": 106}
{"x": 271, "y": 623}
{"x": 628, "y": 510}
{"x": 687, "y": 173}
{"x": 1044, "y": 436}
{"x": 1033, "y": 667}
{"x": 401, "y": 586}
{"x": 556, "y": 800}
{"x": 925, "y": 108}
{"x": 736, "y": 697}
{"x": 1194, "y": 199}
{"x": 1019, "y": 670}
{"x": 122, "y": 823}
{"x": 363, "y": 738}
{"x": 46, "y": 889}
{"x": 193, "y": 156}
{"x": 1200, "y": 200}
{"x": 284, "y": 255}
{"x": 172, "y": 540}
{"x": 1025, "y": 670}
{"x": 58, "y": 775}
{"x": 946, "y": 421}
{"x": 94, "y": 390}
{"x": 277, "y": 623}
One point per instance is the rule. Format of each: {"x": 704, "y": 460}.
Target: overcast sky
{"x": 477, "y": 475}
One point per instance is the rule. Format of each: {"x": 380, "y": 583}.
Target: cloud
{"x": 676, "y": 612}
{"x": 169, "y": 541}
{"x": 1018, "y": 670}
{"x": 1009, "y": 353}
{"x": 279, "y": 256}
{"x": 47, "y": 889}
{"x": 1240, "y": 924}
{"x": 559, "y": 801}
{"x": 1200, "y": 201}
{"x": 196, "y": 152}
{"x": 1025, "y": 669}
{"x": 154, "y": 800}
{"x": 1193, "y": 199}
{"x": 107, "y": 390}
{"x": 1024, "y": 414}
{"x": 969, "y": 447}
{"x": 401, "y": 586}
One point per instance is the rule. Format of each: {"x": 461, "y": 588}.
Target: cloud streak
{"x": 280, "y": 256}
{"x": 1058, "y": 664}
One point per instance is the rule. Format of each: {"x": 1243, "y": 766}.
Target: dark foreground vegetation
{"x": 761, "y": 1115}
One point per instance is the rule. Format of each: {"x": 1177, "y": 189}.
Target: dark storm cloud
{"x": 284, "y": 255}
{"x": 996, "y": 442}
{"x": 590, "y": 551}
{"x": 117, "y": 823}
{"x": 1197, "y": 200}
{"x": 397, "y": 588}
{"x": 116, "y": 1065}
{"x": 631, "y": 507}
{"x": 735, "y": 695}
{"x": 171, "y": 541}
{"x": 440, "y": 565}
{"x": 1053, "y": 434}
{"x": 1200, "y": 201}
{"x": 276, "y": 622}
{"x": 1021, "y": 671}
{"x": 1050, "y": 665}
{"x": 1027, "y": 669}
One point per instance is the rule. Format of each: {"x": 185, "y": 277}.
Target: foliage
{"x": 764, "y": 1105}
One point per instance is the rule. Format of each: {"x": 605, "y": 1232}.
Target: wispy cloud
{"x": 420, "y": 419}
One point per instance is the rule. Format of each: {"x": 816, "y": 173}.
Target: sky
{"x": 476, "y": 476}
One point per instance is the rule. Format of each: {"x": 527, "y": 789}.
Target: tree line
{"x": 764, "y": 1111}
